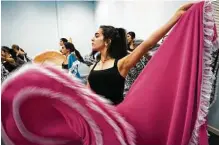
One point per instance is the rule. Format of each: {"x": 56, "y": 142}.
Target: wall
{"x": 31, "y": 25}
{"x": 76, "y": 20}
{"x": 141, "y": 17}
{"x": 37, "y": 26}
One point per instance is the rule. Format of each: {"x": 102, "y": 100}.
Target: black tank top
{"x": 108, "y": 83}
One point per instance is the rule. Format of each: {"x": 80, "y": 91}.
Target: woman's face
{"x": 129, "y": 38}
{"x": 98, "y": 42}
{"x": 15, "y": 48}
{"x": 64, "y": 51}
{"x": 3, "y": 54}
{"x": 61, "y": 43}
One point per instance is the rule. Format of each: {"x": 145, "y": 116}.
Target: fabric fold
{"x": 173, "y": 91}
{"x": 166, "y": 105}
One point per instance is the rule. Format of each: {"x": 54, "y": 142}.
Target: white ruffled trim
{"x": 129, "y": 130}
{"x": 207, "y": 73}
{"x": 88, "y": 96}
{"x": 28, "y": 92}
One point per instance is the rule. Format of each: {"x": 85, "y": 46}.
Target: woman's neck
{"x": 104, "y": 55}
{"x": 67, "y": 54}
{"x": 131, "y": 45}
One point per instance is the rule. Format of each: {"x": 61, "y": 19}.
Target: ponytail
{"x": 71, "y": 48}
{"x": 78, "y": 55}
{"x": 123, "y": 42}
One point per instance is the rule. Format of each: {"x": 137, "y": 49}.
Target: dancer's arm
{"x": 126, "y": 63}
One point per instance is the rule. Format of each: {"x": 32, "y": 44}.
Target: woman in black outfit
{"x": 131, "y": 39}
{"x": 108, "y": 75}
{"x": 105, "y": 78}
{"x": 67, "y": 49}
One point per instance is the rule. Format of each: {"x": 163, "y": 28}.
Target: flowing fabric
{"x": 167, "y": 104}
{"x": 51, "y": 108}
{"x": 172, "y": 93}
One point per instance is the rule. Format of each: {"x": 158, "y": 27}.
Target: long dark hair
{"x": 5, "y": 49}
{"x": 72, "y": 48}
{"x": 118, "y": 46}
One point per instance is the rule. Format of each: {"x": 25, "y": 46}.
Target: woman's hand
{"x": 70, "y": 40}
{"x": 183, "y": 9}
